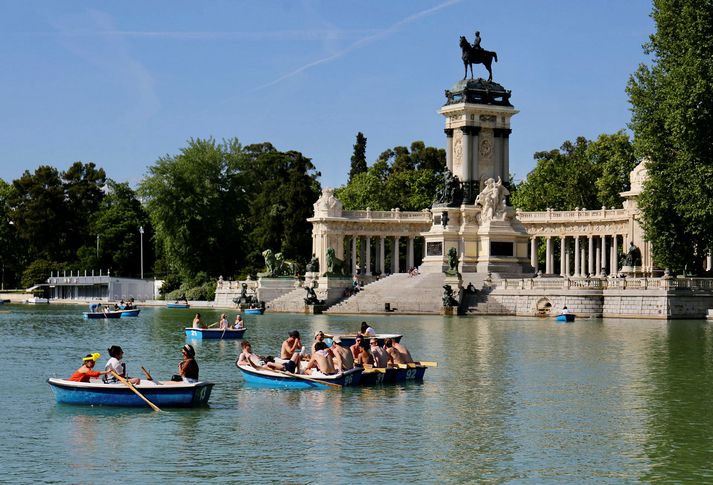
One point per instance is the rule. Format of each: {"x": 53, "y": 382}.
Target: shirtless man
{"x": 365, "y": 358}
{"x": 321, "y": 360}
{"x": 318, "y": 337}
{"x": 381, "y": 357}
{"x": 291, "y": 346}
{"x": 248, "y": 358}
{"x": 343, "y": 358}
{"x": 357, "y": 347}
{"x": 398, "y": 355}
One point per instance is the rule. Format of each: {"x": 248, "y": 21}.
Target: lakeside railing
{"x": 575, "y": 215}
{"x": 664, "y": 283}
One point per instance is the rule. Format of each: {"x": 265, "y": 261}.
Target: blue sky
{"x": 123, "y": 83}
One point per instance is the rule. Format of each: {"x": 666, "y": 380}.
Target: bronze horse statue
{"x": 476, "y": 56}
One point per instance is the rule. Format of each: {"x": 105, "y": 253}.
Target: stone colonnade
{"x": 359, "y": 256}
{"x": 580, "y": 256}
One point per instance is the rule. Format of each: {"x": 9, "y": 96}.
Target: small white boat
{"x": 37, "y": 300}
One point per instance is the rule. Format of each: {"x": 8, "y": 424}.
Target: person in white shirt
{"x": 367, "y": 330}
{"x": 239, "y": 323}
{"x": 224, "y": 322}
{"x": 117, "y": 365}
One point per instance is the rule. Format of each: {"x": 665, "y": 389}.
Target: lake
{"x": 513, "y": 400}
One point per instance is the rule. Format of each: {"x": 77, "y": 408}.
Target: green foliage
{"x": 10, "y": 250}
{"x": 171, "y": 282}
{"x": 359, "y": 157}
{"x": 400, "y": 177}
{"x": 584, "y": 174}
{"x": 37, "y": 272}
{"x": 672, "y": 106}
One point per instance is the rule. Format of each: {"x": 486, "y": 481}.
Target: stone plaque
{"x": 498, "y": 248}
{"x": 434, "y": 248}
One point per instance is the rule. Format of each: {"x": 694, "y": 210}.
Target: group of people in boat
{"x": 223, "y": 323}
{"x": 187, "y": 368}
{"x": 324, "y": 360}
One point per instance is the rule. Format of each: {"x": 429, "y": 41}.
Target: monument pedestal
{"x": 502, "y": 248}
{"x": 269, "y": 289}
{"x": 443, "y": 235}
{"x": 331, "y": 288}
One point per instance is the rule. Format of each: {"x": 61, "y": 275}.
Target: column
{"x": 563, "y": 255}
{"x": 709, "y": 262}
{"x": 409, "y": 254}
{"x": 395, "y": 256}
{"x": 605, "y": 257}
{"x": 382, "y": 254}
{"x": 362, "y": 255}
{"x": 449, "y": 148}
{"x": 548, "y": 255}
{"x": 590, "y": 269}
{"x": 614, "y": 254}
{"x": 533, "y": 252}
{"x": 598, "y": 255}
{"x": 467, "y": 169}
{"x": 368, "y": 256}
{"x": 576, "y": 257}
{"x": 354, "y": 254}
{"x": 582, "y": 259}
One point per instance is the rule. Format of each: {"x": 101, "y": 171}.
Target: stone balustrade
{"x": 701, "y": 284}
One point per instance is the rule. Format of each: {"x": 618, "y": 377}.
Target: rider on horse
{"x": 476, "y": 44}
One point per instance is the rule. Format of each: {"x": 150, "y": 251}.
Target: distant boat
{"x": 35, "y": 300}
{"x": 214, "y": 333}
{"x": 565, "y": 317}
{"x": 177, "y": 305}
{"x": 254, "y": 311}
{"x": 164, "y": 394}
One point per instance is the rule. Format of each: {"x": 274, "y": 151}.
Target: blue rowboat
{"x": 254, "y": 311}
{"x": 265, "y": 378}
{"x": 179, "y": 394}
{"x": 389, "y": 375}
{"x": 567, "y": 317}
{"x": 134, "y": 312}
{"x": 349, "y": 339}
{"x": 177, "y": 305}
{"x": 214, "y": 333}
{"x": 93, "y": 315}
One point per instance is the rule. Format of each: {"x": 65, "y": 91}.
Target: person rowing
{"x": 117, "y": 365}
{"x": 198, "y": 321}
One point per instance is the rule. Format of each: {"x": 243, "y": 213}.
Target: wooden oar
{"x": 213, "y": 324}
{"x": 149, "y": 376}
{"x": 372, "y": 370}
{"x": 130, "y": 386}
{"x": 427, "y": 364}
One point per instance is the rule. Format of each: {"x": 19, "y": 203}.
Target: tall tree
{"x": 672, "y": 106}
{"x": 359, "y": 157}
{"x": 10, "y": 250}
{"x": 83, "y": 185}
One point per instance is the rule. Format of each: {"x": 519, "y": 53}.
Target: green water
{"x": 512, "y": 401}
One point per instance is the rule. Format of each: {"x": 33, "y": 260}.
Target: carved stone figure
{"x": 277, "y": 265}
{"x": 492, "y": 200}
{"x": 311, "y": 298}
{"x": 335, "y": 266}
{"x": 444, "y": 218}
{"x": 449, "y": 299}
{"x": 313, "y": 265}
{"x": 633, "y": 256}
{"x": 472, "y": 55}
{"x": 452, "y": 261}
{"x": 451, "y": 194}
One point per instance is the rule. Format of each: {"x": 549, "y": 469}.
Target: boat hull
{"x": 214, "y": 333}
{"x": 95, "y": 315}
{"x": 350, "y": 339}
{"x": 253, "y": 311}
{"x": 130, "y": 313}
{"x": 265, "y": 378}
{"x": 178, "y": 305}
{"x": 392, "y": 375}
{"x": 100, "y": 394}
{"x": 565, "y": 318}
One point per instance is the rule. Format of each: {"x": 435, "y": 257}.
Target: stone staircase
{"x": 292, "y": 302}
{"x": 405, "y": 294}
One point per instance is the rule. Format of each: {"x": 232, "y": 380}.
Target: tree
{"x": 10, "y": 250}
{"x": 83, "y": 185}
{"x": 359, "y": 157}
{"x": 672, "y": 115}
{"x": 195, "y": 205}
{"x": 583, "y": 173}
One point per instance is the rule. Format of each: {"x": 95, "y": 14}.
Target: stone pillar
{"x": 548, "y": 256}
{"x": 576, "y": 257}
{"x": 354, "y": 254}
{"x": 563, "y": 255}
{"x": 449, "y": 148}
{"x": 395, "y": 256}
{"x": 362, "y": 255}
{"x": 409, "y": 254}
{"x": 382, "y": 253}
{"x": 468, "y": 196}
{"x": 605, "y": 256}
{"x": 533, "y": 252}
{"x": 582, "y": 259}
{"x": 614, "y": 251}
{"x": 368, "y": 256}
{"x": 709, "y": 262}
{"x": 590, "y": 269}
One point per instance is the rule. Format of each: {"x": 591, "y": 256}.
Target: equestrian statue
{"x": 474, "y": 54}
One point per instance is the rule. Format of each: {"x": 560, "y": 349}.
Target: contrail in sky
{"x": 359, "y": 43}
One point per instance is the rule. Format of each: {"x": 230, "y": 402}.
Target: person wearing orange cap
{"x": 84, "y": 373}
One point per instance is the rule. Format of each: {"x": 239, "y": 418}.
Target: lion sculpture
{"x": 335, "y": 266}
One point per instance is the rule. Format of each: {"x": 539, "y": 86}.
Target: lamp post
{"x": 97, "y": 247}
{"x": 141, "y": 233}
